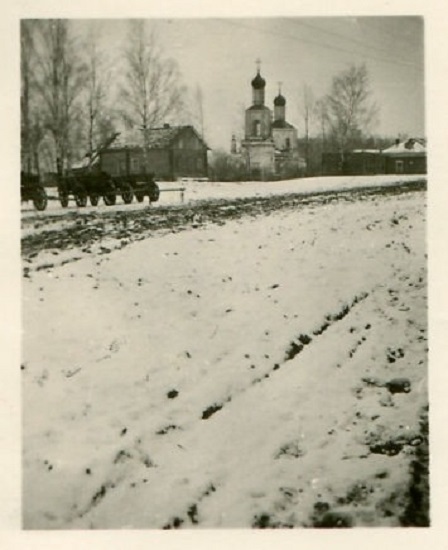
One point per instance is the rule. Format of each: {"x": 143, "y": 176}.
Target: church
{"x": 269, "y": 147}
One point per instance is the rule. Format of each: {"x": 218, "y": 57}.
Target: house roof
{"x": 411, "y": 146}
{"x": 370, "y": 151}
{"x": 157, "y": 138}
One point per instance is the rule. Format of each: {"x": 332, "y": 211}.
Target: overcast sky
{"x": 220, "y": 56}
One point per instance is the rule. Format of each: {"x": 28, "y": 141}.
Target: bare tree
{"x": 32, "y": 131}
{"x": 151, "y": 90}
{"x": 97, "y": 83}
{"x": 350, "y": 110}
{"x": 26, "y": 51}
{"x": 321, "y": 113}
{"x": 238, "y": 120}
{"x": 59, "y": 81}
{"x": 307, "y": 110}
{"x": 199, "y": 104}
{"x": 192, "y": 111}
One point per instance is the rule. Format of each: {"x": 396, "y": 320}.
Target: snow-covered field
{"x": 268, "y": 372}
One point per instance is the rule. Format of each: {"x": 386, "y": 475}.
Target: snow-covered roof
{"x": 373, "y": 151}
{"x": 157, "y": 138}
{"x": 410, "y": 146}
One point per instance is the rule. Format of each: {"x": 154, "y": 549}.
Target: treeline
{"x": 75, "y": 93}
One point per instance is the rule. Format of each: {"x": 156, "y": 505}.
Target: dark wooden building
{"x": 172, "y": 152}
{"x": 356, "y": 163}
{"x": 408, "y": 157}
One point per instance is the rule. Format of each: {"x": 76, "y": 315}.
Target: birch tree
{"x": 99, "y": 113}
{"x": 151, "y": 91}
{"x": 26, "y": 50}
{"x": 199, "y": 103}
{"x": 307, "y": 109}
{"x": 95, "y": 88}
{"x": 321, "y": 115}
{"x": 32, "y": 131}
{"x": 350, "y": 109}
{"x": 59, "y": 81}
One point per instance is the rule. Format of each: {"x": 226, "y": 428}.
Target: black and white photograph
{"x": 223, "y": 268}
{"x": 224, "y": 295}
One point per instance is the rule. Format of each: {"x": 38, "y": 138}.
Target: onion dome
{"x": 279, "y": 101}
{"x": 258, "y": 83}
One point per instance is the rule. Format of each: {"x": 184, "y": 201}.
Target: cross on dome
{"x": 279, "y": 101}
{"x": 258, "y": 83}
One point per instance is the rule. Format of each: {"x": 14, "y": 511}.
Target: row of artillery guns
{"x": 88, "y": 182}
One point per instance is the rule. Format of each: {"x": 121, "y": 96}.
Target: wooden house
{"x": 170, "y": 152}
{"x": 407, "y": 157}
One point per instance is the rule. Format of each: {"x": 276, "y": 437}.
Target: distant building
{"x": 172, "y": 152}
{"x": 269, "y": 146}
{"x": 407, "y": 157}
{"x": 356, "y": 163}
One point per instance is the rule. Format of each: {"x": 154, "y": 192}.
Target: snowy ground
{"x": 269, "y": 371}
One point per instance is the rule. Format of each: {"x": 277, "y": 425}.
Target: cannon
{"x": 31, "y": 189}
{"x": 89, "y": 181}
{"x": 140, "y": 186}
{"x": 85, "y": 185}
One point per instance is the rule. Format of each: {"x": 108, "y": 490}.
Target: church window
{"x": 257, "y": 128}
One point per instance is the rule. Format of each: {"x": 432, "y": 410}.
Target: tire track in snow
{"x": 116, "y": 477}
{"x": 294, "y": 348}
{"x": 192, "y": 511}
{"x": 190, "y": 516}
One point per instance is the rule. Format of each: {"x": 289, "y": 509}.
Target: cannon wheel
{"x": 40, "y": 199}
{"x": 154, "y": 193}
{"x": 81, "y": 199}
{"x": 94, "y": 199}
{"x": 127, "y": 194}
{"x": 63, "y": 199}
{"x": 110, "y": 199}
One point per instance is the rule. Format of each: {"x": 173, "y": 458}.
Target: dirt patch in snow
{"x": 85, "y": 232}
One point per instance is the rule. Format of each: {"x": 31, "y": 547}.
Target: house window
{"x": 288, "y": 143}
{"x": 135, "y": 165}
